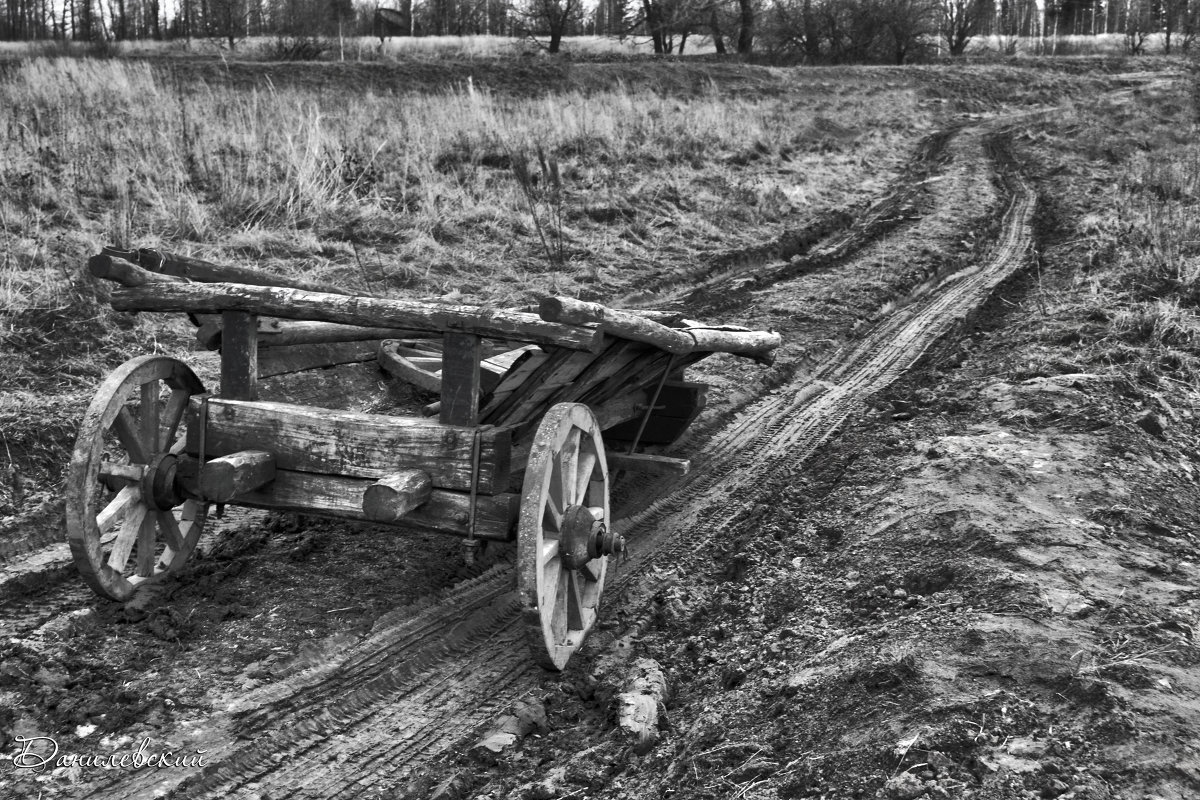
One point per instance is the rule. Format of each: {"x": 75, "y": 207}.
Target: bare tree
{"x": 960, "y": 22}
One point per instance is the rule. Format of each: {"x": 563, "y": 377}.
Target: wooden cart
{"x": 517, "y": 451}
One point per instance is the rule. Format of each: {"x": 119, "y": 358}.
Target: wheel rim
{"x": 125, "y": 524}
{"x": 565, "y": 493}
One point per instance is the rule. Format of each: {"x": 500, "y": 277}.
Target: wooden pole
{"x": 460, "y": 380}
{"x": 193, "y": 269}
{"x": 366, "y": 311}
{"x": 239, "y": 356}
{"x": 757, "y": 345}
{"x": 284, "y": 333}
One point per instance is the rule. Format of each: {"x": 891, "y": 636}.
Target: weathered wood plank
{"x": 284, "y": 333}
{"x": 307, "y": 439}
{"x": 239, "y": 356}
{"x": 195, "y": 269}
{"x": 648, "y": 463}
{"x": 461, "y": 386}
{"x": 758, "y": 345}
{"x": 368, "y": 311}
{"x": 301, "y": 357}
{"x": 342, "y": 498}
{"x": 226, "y": 477}
{"x": 392, "y": 497}
{"x": 544, "y": 389}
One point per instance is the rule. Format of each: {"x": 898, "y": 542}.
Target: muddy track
{"x": 355, "y": 717}
{"x": 831, "y": 240}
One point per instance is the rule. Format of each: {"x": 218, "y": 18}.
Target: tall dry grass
{"x": 417, "y": 190}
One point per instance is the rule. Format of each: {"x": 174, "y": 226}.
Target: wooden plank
{"x": 226, "y": 477}
{"x": 521, "y": 371}
{"x": 460, "y": 379}
{"x": 544, "y": 389}
{"x": 284, "y": 333}
{"x": 342, "y": 498}
{"x": 301, "y": 357}
{"x": 520, "y": 383}
{"x": 195, "y": 269}
{"x": 649, "y": 464}
{"x": 239, "y": 356}
{"x": 394, "y": 496}
{"x": 368, "y": 311}
{"x": 307, "y": 439}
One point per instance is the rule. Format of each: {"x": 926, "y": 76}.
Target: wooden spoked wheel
{"x": 563, "y": 540}
{"x": 125, "y": 521}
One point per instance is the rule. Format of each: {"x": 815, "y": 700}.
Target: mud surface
{"x": 939, "y": 549}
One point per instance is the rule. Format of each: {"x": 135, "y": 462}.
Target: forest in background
{"x": 805, "y": 31}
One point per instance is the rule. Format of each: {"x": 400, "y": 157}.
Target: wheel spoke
{"x": 177, "y": 405}
{"x": 551, "y": 516}
{"x": 551, "y": 577}
{"x": 170, "y": 530}
{"x": 588, "y": 573}
{"x": 587, "y": 465}
{"x": 549, "y": 550}
{"x": 116, "y": 507}
{"x": 558, "y": 623}
{"x": 151, "y": 394}
{"x": 123, "y": 544}
{"x": 574, "y": 602}
{"x": 147, "y": 537}
{"x": 568, "y": 459}
{"x": 127, "y": 431}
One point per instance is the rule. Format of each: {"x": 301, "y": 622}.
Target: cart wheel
{"x": 126, "y": 522}
{"x": 563, "y": 541}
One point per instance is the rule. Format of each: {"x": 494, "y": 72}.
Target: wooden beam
{"x": 394, "y": 496}
{"x": 650, "y": 464}
{"x": 301, "y": 357}
{"x": 758, "y": 345}
{"x": 284, "y": 333}
{"x": 460, "y": 379}
{"x": 367, "y": 311}
{"x": 122, "y": 272}
{"x": 224, "y": 478}
{"x": 342, "y": 498}
{"x": 239, "y": 356}
{"x": 194, "y": 269}
{"x": 350, "y": 443}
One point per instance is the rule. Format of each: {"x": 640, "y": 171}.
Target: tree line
{"x": 812, "y": 31}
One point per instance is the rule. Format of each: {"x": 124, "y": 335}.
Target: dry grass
{"x": 417, "y": 190}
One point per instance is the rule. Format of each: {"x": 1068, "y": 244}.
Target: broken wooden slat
{"x": 461, "y": 386}
{"x": 239, "y": 356}
{"x": 301, "y": 357}
{"x": 308, "y": 439}
{"x": 368, "y": 311}
{"x": 521, "y": 371}
{"x": 393, "y": 496}
{"x": 194, "y": 269}
{"x": 342, "y": 497}
{"x": 647, "y": 463}
{"x": 543, "y": 389}
{"x": 224, "y": 478}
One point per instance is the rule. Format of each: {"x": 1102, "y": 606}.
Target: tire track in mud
{"x": 364, "y": 716}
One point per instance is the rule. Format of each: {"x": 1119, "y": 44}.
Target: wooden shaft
{"x": 122, "y": 272}
{"x": 367, "y": 311}
{"x": 630, "y": 325}
{"x": 393, "y": 497}
{"x": 645, "y": 462}
{"x": 194, "y": 269}
{"x": 284, "y": 333}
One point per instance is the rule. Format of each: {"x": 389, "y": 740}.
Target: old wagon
{"x": 535, "y": 410}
